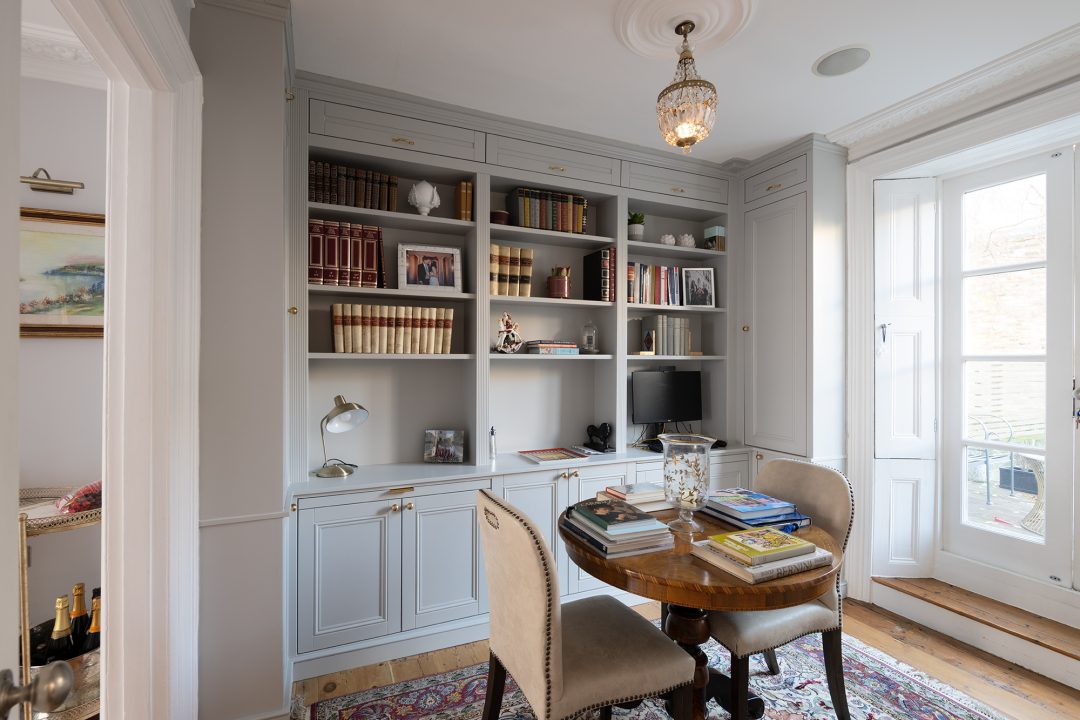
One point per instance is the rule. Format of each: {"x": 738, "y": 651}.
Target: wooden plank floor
{"x": 1010, "y": 689}
{"x": 1028, "y": 626}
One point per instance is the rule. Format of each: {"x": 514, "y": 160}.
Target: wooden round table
{"x": 690, "y": 587}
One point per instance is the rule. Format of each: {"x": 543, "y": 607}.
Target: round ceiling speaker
{"x": 841, "y": 61}
{"x": 647, "y": 27}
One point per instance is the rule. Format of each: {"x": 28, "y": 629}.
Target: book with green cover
{"x": 616, "y": 516}
{"x": 760, "y": 546}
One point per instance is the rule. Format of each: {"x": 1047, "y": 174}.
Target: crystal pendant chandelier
{"x": 686, "y": 109}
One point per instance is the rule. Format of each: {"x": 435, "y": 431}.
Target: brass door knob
{"x": 746, "y": 328}
{"x": 409, "y": 506}
{"x": 759, "y": 456}
{"x": 293, "y": 310}
{"x": 395, "y": 507}
{"x": 564, "y": 475}
{"x": 575, "y": 474}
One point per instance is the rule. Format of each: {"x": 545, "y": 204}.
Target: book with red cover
{"x": 369, "y": 267}
{"x": 330, "y": 252}
{"x": 344, "y": 257}
{"x": 356, "y": 232}
{"x": 316, "y": 238}
{"x": 312, "y": 169}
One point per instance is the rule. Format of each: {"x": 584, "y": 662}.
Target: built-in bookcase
{"x": 532, "y": 401}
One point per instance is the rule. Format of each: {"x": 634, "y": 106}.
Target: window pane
{"x": 1006, "y": 402}
{"x": 1005, "y": 313}
{"x": 1005, "y": 224}
{"x": 1012, "y": 502}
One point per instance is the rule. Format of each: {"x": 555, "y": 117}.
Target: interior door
{"x": 1009, "y": 359}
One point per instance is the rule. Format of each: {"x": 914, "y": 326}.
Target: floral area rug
{"x": 878, "y": 687}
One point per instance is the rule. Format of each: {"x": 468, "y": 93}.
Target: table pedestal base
{"x": 689, "y": 627}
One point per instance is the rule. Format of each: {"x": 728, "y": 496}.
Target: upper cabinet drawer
{"x": 676, "y": 182}
{"x": 551, "y": 160}
{"x": 776, "y": 179}
{"x": 353, "y": 123}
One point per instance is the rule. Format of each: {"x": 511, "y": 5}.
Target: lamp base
{"x": 334, "y": 471}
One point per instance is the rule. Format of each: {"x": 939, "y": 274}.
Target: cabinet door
{"x": 759, "y": 458}
{"x": 549, "y": 160}
{"x": 348, "y": 574}
{"x": 729, "y": 474}
{"x": 776, "y": 326}
{"x": 442, "y": 569}
{"x": 650, "y": 472}
{"x": 585, "y": 482}
{"x": 675, "y": 182}
{"x": 542, "y": 496}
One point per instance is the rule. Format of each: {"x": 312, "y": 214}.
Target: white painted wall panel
{"x": 903, "y": 543}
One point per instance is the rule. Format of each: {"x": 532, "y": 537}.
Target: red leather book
{"x": 344, "y": 257}
{"x": 350, "y": 186}
{"x": 356, "y": 232}
{"x": 316, "y": 238}
{"x": 369, "y": 266}
{"x": 333, "y": 186}
{"x": 330, "y": 253}
{"x": 325, "y": 175}
{"x": 311, "y": 171}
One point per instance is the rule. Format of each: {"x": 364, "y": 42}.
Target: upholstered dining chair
{"x": 587, "y": 654}
{"x": 825, "y": 495}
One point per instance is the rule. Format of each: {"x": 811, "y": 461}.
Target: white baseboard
{"x": 1008, "y": 647}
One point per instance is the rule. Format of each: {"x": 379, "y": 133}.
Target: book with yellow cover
{"x": 760, "y": 546}
{"x": 504, "y": 270}
{"x": 493, "y": 268}
{"x": 760, "y": 573}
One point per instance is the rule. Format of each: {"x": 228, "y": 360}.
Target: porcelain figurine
{"x": 424, "y": 197}
{"x": 685, "y": 240}
{"x": 508, "y": 341}
{"x": 667, "y": 239}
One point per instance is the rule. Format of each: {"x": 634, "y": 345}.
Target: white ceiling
{"x": 559, "y": 62}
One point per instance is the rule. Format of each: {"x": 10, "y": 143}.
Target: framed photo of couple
{"x": 429, "y": 266}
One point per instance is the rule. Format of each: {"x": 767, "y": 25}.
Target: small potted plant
{"x": 635, "y": 226}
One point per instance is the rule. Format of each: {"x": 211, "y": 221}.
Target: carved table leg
{"x": 689, "y": 627}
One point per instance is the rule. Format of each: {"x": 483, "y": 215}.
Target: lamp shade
{"x": 345, "y": 415}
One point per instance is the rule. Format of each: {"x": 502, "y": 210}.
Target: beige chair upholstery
{"x": 590, "y": 653}
{"x": 825, "y": 495}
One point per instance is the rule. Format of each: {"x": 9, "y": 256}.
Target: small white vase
{"x": 685, "y": 240}
{"x": 424, "y": 197}
{"x": 635, "y": 231}
{"x": 667, "y": 239}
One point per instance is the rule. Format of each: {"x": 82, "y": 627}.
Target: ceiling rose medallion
{"x": 686, "y": 109}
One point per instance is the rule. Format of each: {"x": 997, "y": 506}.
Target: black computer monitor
{"x": 663, "y": 396}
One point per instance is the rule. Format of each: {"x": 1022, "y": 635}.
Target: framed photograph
{"x": 429, "y": 266}
{"x": 698, "y": 287}
{"x": 61, "y": 274}
{"x": 444, "y": 446}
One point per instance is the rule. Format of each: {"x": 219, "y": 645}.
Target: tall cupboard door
{"x": 348, "y": 574}
{"x": 542, "y": 496}
{"x": 585, "y": 482}
{"x": 442, "y": 568}
{"x": 775, "y": 326}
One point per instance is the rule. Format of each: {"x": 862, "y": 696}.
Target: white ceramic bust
{"x": 424, "y": 197}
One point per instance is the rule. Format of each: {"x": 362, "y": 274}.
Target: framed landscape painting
{"x": 61, "y": 274}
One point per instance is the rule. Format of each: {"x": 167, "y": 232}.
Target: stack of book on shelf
{"x": 551, "y": 347}
{"x": 748, "y": 509}
{"x": 352, "y": 186}
{"x": 653, "y": 284}
{"x": 389, "y": 329}
{"x": 761, "y": 554}
{"x": 615, "y": 528}
{"x": 599, "y": 275}
{"x": 548, "y": 210}
{"x": 464, "y": 200}
{"x": 510, "y": 270}
{"x": 345, "y": 254}
{"x": 665, "y": 335}
{"x": 646, "y": 497}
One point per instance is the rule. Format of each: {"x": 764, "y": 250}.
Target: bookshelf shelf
{"x": 387, "y": 219}
{"x": 391, "y": 293}
{"x": 672, "y": 358}
{"x": 513, "y": 233}
{"x": 674, "y": 252}
{"x": 562, "y": 302}
{"x": 649, "y": 308}
{"x": 387, "y": 356}
{"x": 528, "y": 356}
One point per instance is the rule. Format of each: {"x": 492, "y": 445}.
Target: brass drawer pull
{"x": 399, "y": 490}
{"x": 575, "y": 474}
{"x": 293, "y": 310}
{"x": 409, "y": 506}
{"x": 557, "y": 168}
{"x": 564, "y": 476}
{"x": 774, "y": 186}
{"x": 395, "y": 507}
{"x": 678, "y": 190}
{"x": 405, "y": 140}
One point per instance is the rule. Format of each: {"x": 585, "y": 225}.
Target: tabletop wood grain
{"x": 675, "y": 576}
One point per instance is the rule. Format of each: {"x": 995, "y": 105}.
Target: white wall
{"x": 60, "y": 379}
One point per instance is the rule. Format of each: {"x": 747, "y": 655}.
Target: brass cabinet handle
{"x": 564, "y": 475}
{"x": 399, "y": 490}
{"x": 746, "y": 328}
{"x": 575, "y": 474}
{"x": 409, "y": 506}
{"x": 405, "y": 140}
{"x": 293, "y": 507}
{"x": 557, "y": 168}
{"x": 678, "y": 190}
{"x": 395, "y": 507}
{"x": 759, "y": 456}
{"x": 293, "y": 310}
{"x": 774, "y": 186}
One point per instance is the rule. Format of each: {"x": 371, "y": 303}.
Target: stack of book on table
{"x": 615, "y": 528}
{"x": 761, "y": 554}
{"x": 646, "y": 497}
{"x": 748, "y": 509}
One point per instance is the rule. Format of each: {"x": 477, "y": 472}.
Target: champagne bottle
{"x": 93, "y": 635}
{"x": 60, "y": 644}
{"x": 80, "y": 621}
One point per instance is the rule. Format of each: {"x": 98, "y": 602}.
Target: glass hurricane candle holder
{"x": 686, "y": 477}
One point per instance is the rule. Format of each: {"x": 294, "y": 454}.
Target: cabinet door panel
{"x": 729, "y": 474}
{"x": 549, "y": 160}
{"x": 776, "y": 346}
{"x": 584, "y": 484}
{"x": 353, "y": 123}
{"x": 442, "y": 572}
{"x": 776, "y": 179}
{"x": 349, "y": 574}
{"x": 542, "y": 496}
{"x": 675, "y": 182}
{"x": 650, "y": 472}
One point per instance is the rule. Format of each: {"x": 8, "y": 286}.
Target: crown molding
{"x": 735, "y": 165}
{"x": 58, "y": 55}
{"x": 1048, "y": 63}
{"x": 272, "y": 9}
{"x": 396, "y": 103}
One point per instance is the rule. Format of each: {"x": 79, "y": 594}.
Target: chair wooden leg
{"x": 834, "y": 671}
{"x": 771, "y": 661}
{"x": 496, "y": 682}
{"x": 605, "y": 713}
{"x": 682, "y": 703}
{"x": 740, "y": 688}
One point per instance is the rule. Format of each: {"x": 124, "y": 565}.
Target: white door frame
{"x": 1038, "y": 123}
{"x": 150, "y": 555}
